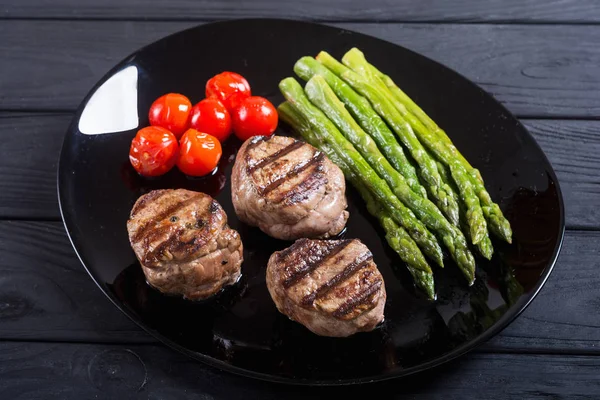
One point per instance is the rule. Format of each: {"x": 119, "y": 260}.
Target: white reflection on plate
{"x": 113, "y": 106}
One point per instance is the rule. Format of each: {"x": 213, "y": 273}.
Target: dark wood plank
{"x": 573, "y": 148}
{"x": 533, "y": 70}
{"x": 75, "y": 55}
{"x": 45, "y": 294}
{"x": 28, "y": 159}
{"x": 85, "y": 371}
{"x": 31, "y": 143}
{"x": 341, "y": 10}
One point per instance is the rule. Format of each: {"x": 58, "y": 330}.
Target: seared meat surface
{"x": 183, "y": 243}
{"x": 288, "y": 189}
{"x": 332, "y": 287}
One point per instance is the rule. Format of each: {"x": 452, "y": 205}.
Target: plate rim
{"x": 495, "y": 329}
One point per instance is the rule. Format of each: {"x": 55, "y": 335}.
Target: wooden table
{"x": 61, "y": 338}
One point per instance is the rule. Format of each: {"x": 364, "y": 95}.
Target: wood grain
{"x": 85, "y": 371}
{"x": 531, "y": 69}
{"x": 28, "y": 159}
{"x": 45, "y": 294}
{"x": 31, "y": 143}
{"x": 340, "y": 10}
{"x": 52, "y": 54}
{"x": 573, "y": 148}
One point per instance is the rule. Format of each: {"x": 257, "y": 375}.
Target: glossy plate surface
{"x": 240, "y": 330}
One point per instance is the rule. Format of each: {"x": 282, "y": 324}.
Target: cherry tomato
{"x": 210, "y": 116}
{"x": 153, "y": 151}
{"x": 200, "y": 153}
{"x": 235, "y": 100}
{"x": 224, "y": 85}
{"x": 171, "y": 112}
{"x": 255, "y": 116}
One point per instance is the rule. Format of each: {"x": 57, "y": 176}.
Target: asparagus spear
{"x": 485, "y": 246}
{"x": 428, "y": 170}
{"x": 398, "y": 240}
{"x": 396, "y": 236}
{"x": 499, "y": 225}
{"x": 420, "y": 114}
{"x": 293, "y": 93}
{"x": 367, "y": 118}
{"x": 321, "y": 95}
{"x": 444, "y": 174}
{"x": 379, "y": 96}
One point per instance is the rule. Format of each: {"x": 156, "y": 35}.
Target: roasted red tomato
{"x": 171, "y": 112}
{"x": 210, "y": 116}
{"x": 199, "y": 153}
{"x": 153, "y": 151}
{"x": 255, "y": 116}
{"x": 224, "y": 85}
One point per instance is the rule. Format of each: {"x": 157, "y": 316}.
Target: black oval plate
{"x": 240, "y": 330}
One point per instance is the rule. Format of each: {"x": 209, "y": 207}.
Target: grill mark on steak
{"x": 273, "y": 157}
{"x": 269, "y": 189}
{"x": 349, "y": 271}
{"x": 192, "y": 252}
{"x": 302, "y": 189}
{"x": 204, "y": 222}
{"x": 161, "y": 216}
{"x": 173, "y": 242}
{"x": 304, "y": 248}
{"x": 154, "y": 234}
{"x": 357, "y": 300}
{"x": 152, "y": 257}
{"x": 255, "y": 141}
{"x": 149, "y": 198}
{"x": 281, "y": 255}
{"x": 315, "y": 262}
{"x": 317, "y": 157}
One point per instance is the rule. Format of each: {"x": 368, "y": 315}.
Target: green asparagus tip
{"x": 478, "y": 233}
{"x": 500, "y": 226}
{"x": 507, "y": 232}
{"x": 485, "y": 247}
{"x": 424, "y": 282}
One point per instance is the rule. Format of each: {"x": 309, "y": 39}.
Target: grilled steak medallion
{"x": 288, "y": 189}
{"x": 332, "y": 287}
{"x": 183, "y": 243}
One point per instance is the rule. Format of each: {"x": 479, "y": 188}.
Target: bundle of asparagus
{"x": 364, "y": 122}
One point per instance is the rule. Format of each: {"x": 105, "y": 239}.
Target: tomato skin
{"x": 199, "y": 153}
{"x": 171, "y": 111}
{"x": 153, "y": 151}
{"x": 255, "y": 116}
{"x": 235, "y": 100}
{"x": 224, "y": 85}
{"x": 210, "y": 116}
